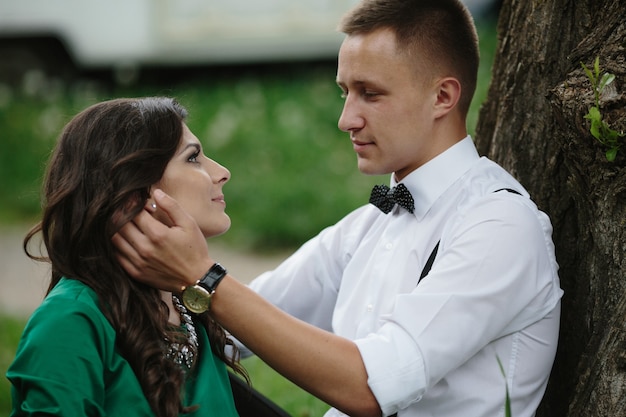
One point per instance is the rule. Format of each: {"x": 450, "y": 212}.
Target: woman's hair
{"x": 98, "y": 178}
{"x": 439, "y": 35}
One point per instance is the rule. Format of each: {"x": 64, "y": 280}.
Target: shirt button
{"x": 389, "y": 246}
{"x": 370, "y": 308}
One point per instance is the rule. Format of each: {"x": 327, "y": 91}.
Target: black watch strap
{"x": 212, "y": 278}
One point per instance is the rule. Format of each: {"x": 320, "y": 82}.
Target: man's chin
{"x": 367, "y": 168}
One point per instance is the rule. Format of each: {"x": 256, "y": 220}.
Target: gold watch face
{"x": 197, "y": 299}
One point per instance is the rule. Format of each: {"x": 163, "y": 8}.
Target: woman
{"x": 102, "y": 343}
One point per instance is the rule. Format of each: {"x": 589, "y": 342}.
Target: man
{"x": 413, "y": 304}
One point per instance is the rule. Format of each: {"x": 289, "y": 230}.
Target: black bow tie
{"x": 385, "y": 198}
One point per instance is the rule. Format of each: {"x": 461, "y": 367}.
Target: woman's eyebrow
{"x": 191, "y": 145}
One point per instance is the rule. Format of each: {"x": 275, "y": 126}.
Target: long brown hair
{"x": 98, "y": 178}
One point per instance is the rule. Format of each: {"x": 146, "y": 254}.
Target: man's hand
{"x": 167, "y": 257}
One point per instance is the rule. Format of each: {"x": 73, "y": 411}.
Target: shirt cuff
{"x": 395, "y": 368}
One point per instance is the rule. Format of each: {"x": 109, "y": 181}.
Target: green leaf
{"x": 607, "y": 79}
{"x": 594, "y": 114}
{"x": 611, "y": 154}
{"x": 599, "y": 129}
{"x": 507, "y": 398}
{"x": 595, "y": 130}
{"x": 609, "y": 134}
{"x": 588, "y": 72}
{"x": 597, "y": 126}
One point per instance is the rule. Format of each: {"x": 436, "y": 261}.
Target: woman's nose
{"x": 219, "y": 173}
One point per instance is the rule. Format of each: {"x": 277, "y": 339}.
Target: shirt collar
{"x": 430, "y": 180}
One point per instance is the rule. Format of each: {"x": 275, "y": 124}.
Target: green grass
{"x": 287, "y": 395}
{"x": 297, "y": 402}
{"x": 10, "y": 332}
{"x": 276, "y": 132}
{"x": 275, "y": 128}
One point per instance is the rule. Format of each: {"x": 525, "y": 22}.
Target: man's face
{"x": 388, "y": 107}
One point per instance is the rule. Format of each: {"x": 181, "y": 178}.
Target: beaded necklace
{"x": 184, "y": 353}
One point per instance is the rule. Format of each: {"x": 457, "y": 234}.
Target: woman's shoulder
{"x": 70, "y": 305}
{"x": 70, "y": 296}
{"x": 72, "y": 288}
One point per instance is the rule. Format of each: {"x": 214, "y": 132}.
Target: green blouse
{"x": 67, "y": 365}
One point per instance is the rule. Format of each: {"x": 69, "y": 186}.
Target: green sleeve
{"x": 58, "y": 369}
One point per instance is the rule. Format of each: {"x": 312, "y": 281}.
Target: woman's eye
{"x": 194, "y": 157}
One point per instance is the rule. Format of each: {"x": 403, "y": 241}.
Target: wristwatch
{"x": 197, "y": 298}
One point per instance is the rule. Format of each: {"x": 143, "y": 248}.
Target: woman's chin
{"x": 215, "y": 229}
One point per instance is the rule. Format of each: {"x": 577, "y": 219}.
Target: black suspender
{"x": 429, "y": 262}
{"x": 509, "y": 190}
{"x": 433, "y": 254}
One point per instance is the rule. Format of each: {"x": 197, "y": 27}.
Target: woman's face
{"x": 196, "y": 182}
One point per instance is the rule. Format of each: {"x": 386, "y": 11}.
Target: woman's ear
{"x": 448, "y": 95}
{"x": 160, "y": 215}
{"x": 124, "y": 214}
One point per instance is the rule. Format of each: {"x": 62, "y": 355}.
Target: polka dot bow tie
{"x": 385, "y": 198}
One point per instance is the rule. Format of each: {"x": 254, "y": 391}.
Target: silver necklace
{"x": 184, "y": 354}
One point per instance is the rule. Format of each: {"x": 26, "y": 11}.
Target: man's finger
{"x": 128, "y": 266}
{"x": 172, "y": 209}
{"x": 124, "y": 246}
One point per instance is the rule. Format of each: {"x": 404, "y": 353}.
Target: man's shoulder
{"x": 487, "y": 177}
{"x": 360, "y": 219}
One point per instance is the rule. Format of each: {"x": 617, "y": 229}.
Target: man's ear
{"x": 448, "y": 95}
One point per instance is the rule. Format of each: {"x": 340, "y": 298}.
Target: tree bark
{"x": 533, "y": 124}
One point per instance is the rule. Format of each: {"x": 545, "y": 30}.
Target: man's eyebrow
{"x": 358, "y": 83}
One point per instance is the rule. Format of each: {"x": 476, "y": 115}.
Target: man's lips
{"x": 360, "y": 145}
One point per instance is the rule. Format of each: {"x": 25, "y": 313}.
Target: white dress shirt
{"x": 492, "y": 294}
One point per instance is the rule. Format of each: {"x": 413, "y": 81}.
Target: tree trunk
{"x": 533, "y": 124}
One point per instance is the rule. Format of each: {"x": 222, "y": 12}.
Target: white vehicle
{"x": 129, "y": 34}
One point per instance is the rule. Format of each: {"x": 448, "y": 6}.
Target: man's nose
{"x": 350, "y": 118}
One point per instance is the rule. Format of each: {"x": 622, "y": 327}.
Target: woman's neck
{"x": 174, "y": 317}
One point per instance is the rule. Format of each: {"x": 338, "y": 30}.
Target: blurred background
{"x": 258, "y": 80}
